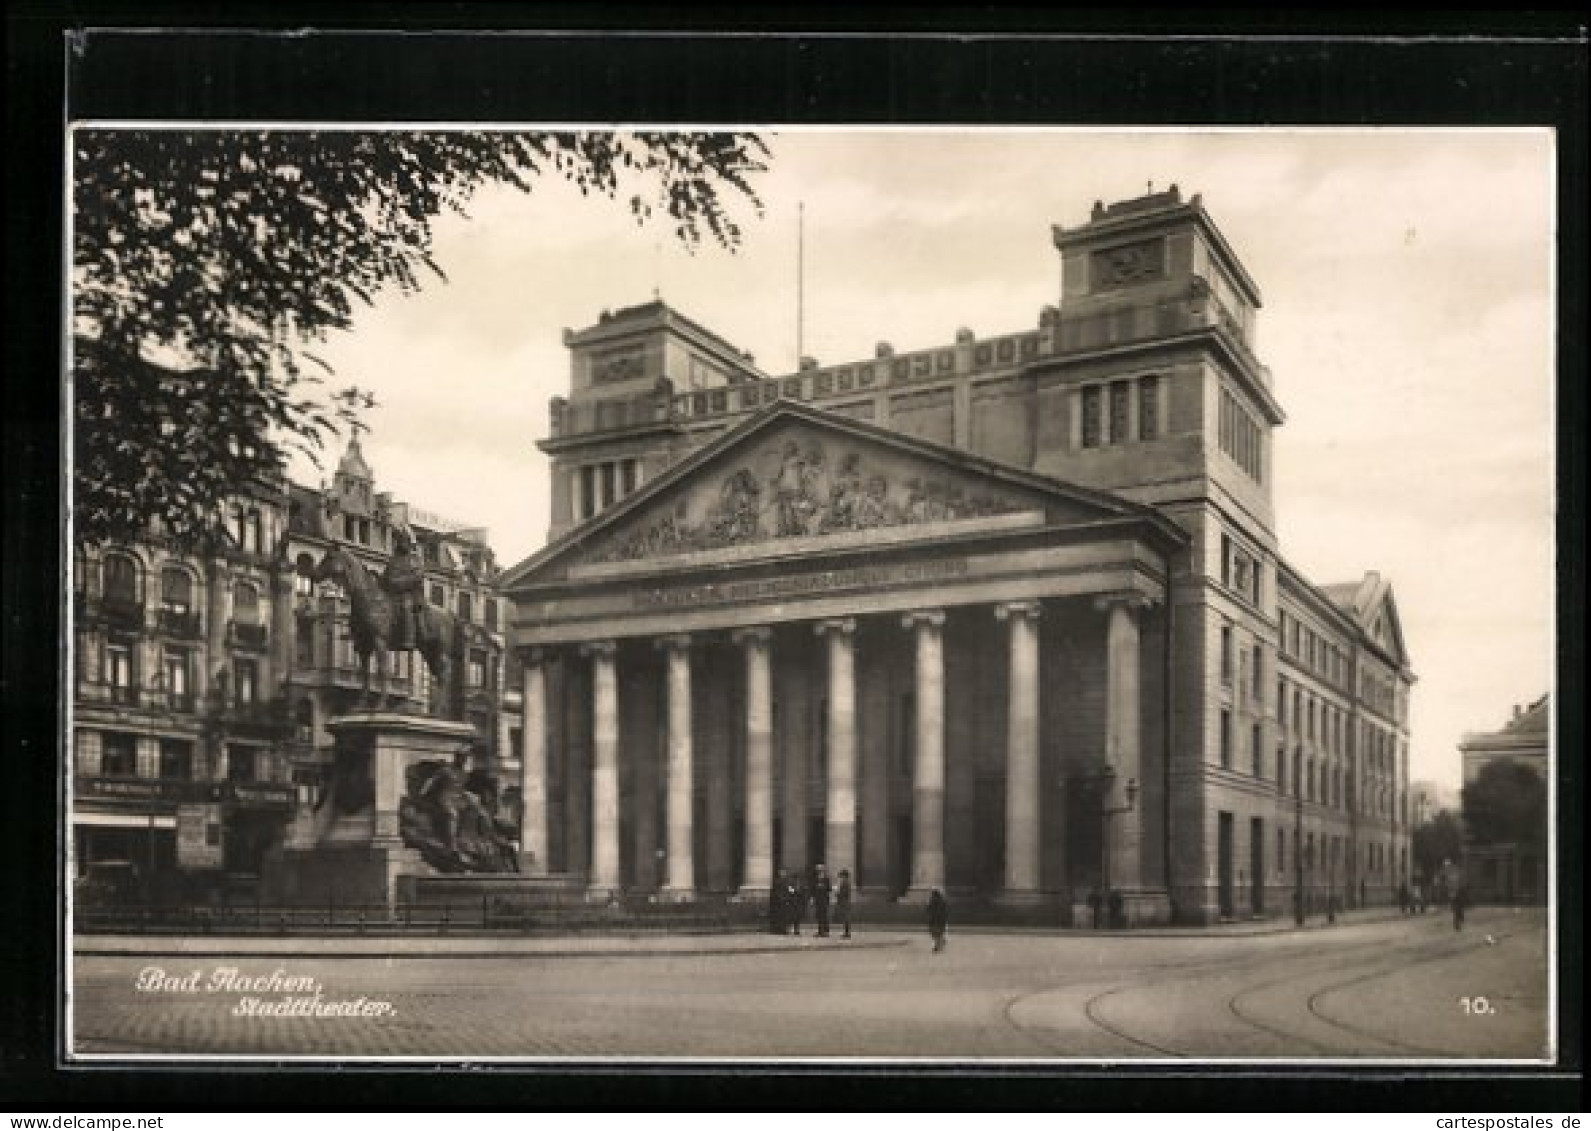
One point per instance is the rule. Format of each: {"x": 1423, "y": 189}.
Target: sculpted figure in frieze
{"x": 796, "y": 495}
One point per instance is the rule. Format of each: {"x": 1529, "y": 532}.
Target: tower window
{"x": 1091, "y": 410}
{"x": 1149, "y": 408}
{"x": 1118, "y": 411}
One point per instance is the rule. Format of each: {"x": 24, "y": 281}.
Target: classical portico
{"x": 817, "y": 641}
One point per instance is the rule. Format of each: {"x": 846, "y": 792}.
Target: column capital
{"x": 599, "y": 649}
{"x": 755, "y": 634}
{"x": 845, "y": 626}
{"x": 1129, "y": 599}
{"x": 673, "y": 642}
{"x": 1010, "y": 610}
{"x": 933, "y": 618}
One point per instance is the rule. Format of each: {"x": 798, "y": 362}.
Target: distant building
{"x": 1522, "y": 739}
{"x": 1006, "y": 616}
{"x": 202, "y": 685}
{"x": 1509, "y": 873}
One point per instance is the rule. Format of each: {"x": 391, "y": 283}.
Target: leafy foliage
{"x": 1439, "y": 839}
{"x": 203, "y": 261}
{"x": 1506, "y": 803}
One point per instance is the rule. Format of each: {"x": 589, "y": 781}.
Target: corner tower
{"x": 1154, "y": 392}
{"x": 621, "y": 424}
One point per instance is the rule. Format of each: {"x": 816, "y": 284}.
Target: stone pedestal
{"x": 360, "y": 855}
{"x": 1140, "y": 907}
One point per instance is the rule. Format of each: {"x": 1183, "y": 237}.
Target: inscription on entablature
{"x": 775, "y": 588}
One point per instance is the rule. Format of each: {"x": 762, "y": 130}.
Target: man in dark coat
{"x": 796, "y": 901}
{"x": 938, "y": 918}
{"x": 822, "y": 892}
{"x": 778, "y": 903}
{"x": 842, "y": 902}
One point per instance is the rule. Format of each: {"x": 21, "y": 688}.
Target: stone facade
{"x": 1006, "y": 616}
{"x": 208, "y": 681}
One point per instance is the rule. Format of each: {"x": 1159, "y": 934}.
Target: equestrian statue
{"x": 390, "y": 614}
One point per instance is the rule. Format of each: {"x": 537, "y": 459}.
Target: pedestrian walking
{"x": 842, "y": 903}
{"x": 938, "y": 918}
{"x": 1460, "y": 899}
{"x": 822, "y": 892}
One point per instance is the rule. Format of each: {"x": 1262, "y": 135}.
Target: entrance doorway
{"x": 901, "y": 856}
{"x": 1224, "y": 865}
{"x": 1256, "y": 832}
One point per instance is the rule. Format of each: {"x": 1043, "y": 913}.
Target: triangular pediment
{"x": 794, "y": 477}
{"x": 1373, "y": 607}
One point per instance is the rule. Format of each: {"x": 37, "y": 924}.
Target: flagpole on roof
{"x": 801, "y": 215}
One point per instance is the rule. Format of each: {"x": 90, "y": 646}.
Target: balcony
{"x": 253, "y": 712}
{"x": 114, "y": 612}
{"x": 252, "y": 636}
{"x": 97, "y": 691}
{"x": 180, "y": 623}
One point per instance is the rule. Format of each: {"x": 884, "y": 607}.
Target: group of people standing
{"x": 791, "y": 894}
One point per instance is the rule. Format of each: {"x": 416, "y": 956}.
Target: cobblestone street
{"x": 1388, "y": 989}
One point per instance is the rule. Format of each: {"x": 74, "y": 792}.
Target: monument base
{"x": 360, "y": 856}
{"x": 340, "y": 875}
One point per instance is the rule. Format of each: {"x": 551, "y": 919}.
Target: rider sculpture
{"x": 404, "y": 581}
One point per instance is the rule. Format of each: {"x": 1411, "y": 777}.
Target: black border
{"x": 986, "y": 65}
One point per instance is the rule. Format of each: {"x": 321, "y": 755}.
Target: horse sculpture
{"x": 378, "y": 627}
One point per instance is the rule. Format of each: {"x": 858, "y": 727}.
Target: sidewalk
{"x": 1278, "y": 925}
{"x": 462, "y": 945}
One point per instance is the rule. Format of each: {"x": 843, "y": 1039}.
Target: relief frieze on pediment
{"x": 800, "y": 487}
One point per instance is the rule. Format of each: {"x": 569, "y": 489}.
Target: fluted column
{"x": 604, "y": 874}
{"x": 840, "y": 783}
{"x": 680, "y": 883}
{"x": 1123, "y": 726}
{"x": 1022, "y": 749}
{"x": 533, "y": 768}
{"x": 757, "y": 874}
{"x": 928, "y": 767}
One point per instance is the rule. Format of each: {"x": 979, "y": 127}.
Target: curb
{"x": 414, "y": 948}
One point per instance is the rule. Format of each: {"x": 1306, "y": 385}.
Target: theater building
{"x": 1003, "y": 617}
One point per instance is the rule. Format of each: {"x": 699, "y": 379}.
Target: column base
{"x": 1022, "y": 899}
{"x": 1139, "y": 907}
{"x": 676, "y": 895}
{"x": 603, "y": 893}
{"x": 751, "y": 893}
{"x": 530, "y": 866}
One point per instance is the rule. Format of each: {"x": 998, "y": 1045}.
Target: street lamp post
{"x": 1331, "y": 883}
{"x": 1298, "y": 839}
{"x": 1107, "y": 811}
{"x": 157, "y": 685}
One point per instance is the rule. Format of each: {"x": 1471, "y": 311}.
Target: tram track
{"x": 1096, "y": 1011}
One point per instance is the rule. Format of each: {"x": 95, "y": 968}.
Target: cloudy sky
{"x": 1407, "y": 280}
